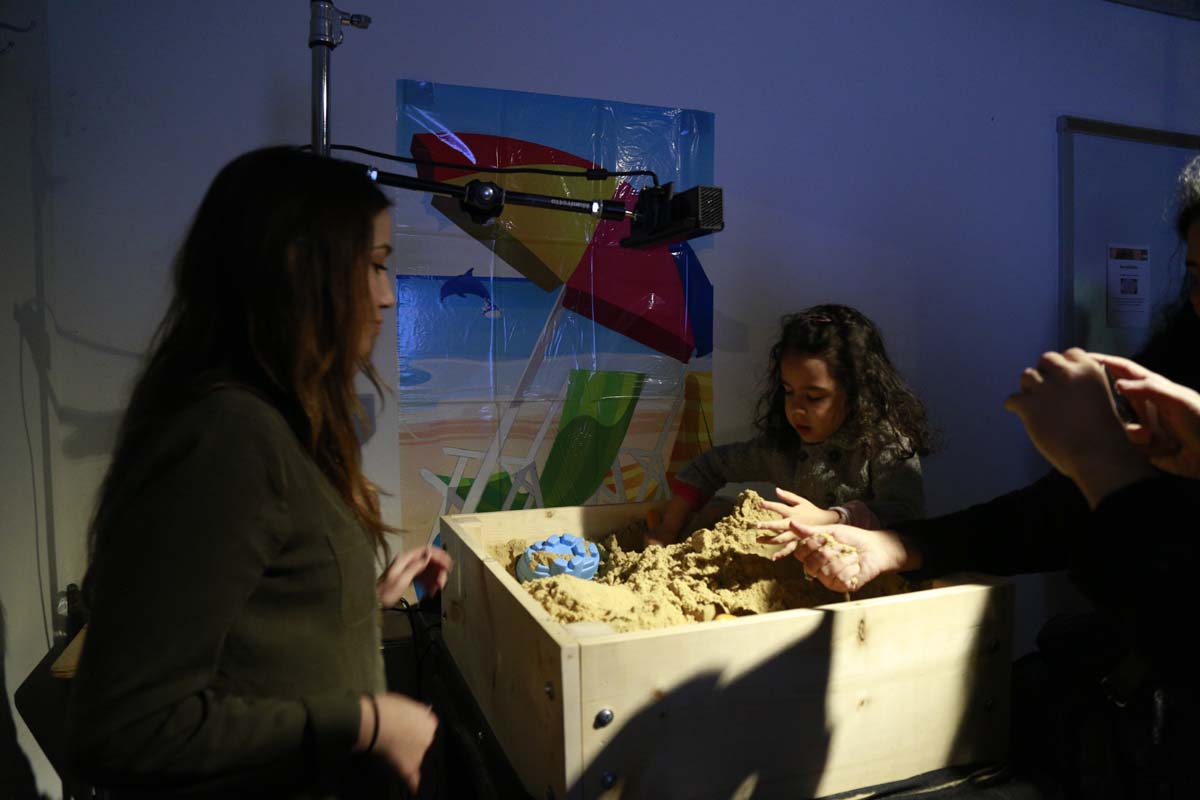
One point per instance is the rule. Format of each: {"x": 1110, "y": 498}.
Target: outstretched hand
{"x": 1168, "y": 427}
{"x": 799, "y": 509}
{"x": 429, "y": 566}
{"x": 843, "y": 558}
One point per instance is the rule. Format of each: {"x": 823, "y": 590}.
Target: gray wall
{"x": 896, "y": 156}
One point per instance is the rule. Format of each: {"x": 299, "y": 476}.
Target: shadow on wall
{"x": 16, "y": 774}
{"x": 88, "y": 433}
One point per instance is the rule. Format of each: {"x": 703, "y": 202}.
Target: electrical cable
{"x": 421, "y": 650}
{"x": 37, "y": 538}
{"x": 597, "y": 174}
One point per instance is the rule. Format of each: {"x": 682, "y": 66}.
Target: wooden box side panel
{"x": 532, "y": 524}
{"x": 919, "y": 687}
{"x": 518, "y": 672}
{"x": 800, "y": 703}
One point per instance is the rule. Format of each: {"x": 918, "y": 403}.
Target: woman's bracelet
{"x": 375, "y": 730}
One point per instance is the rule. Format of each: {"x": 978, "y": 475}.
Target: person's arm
{"x": 897, "y": 490}
{"x": 1019, "y": 532}
{"x": 1136, "y": 561}
{"x": 1023, "y": 531}
{"x": 399, "y": 730}
{"x": 171, "y": 573}
{"x": 842, "y": 557}
{"x": 739, "y": 462}
{"x": 795, "y": 508}
{"x": 704, "y": 476}
{"x": 674, "y": 517}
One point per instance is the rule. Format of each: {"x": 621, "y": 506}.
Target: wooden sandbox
{"x": 800, "y": 703}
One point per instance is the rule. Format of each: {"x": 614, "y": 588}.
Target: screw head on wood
{"x": 603, "y": 717}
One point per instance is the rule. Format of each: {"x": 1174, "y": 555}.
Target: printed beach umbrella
{"x": 657, "y": 297}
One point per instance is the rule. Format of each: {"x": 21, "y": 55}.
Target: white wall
{"x": 900, "y": 157}
{"x": 24, "y": 138}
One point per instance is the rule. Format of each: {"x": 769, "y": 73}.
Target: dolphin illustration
{"x": 465, "y": 284}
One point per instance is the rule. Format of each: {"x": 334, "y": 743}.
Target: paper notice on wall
{"x": 1128, "y": 285}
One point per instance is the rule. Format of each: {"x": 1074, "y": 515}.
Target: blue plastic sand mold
{"x": 580, "y": 558}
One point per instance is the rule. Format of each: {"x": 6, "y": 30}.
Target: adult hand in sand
{"x": 1168, "y": 427}
{"x": 843, "y": 558}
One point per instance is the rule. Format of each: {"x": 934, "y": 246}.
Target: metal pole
{"x": 320, "y": 97}
{"x": 324, "y": 34}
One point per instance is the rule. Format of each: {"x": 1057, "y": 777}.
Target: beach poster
{"x": 540, "y": 363}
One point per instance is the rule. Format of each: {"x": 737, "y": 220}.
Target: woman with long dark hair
{"x": 233, "y": 645}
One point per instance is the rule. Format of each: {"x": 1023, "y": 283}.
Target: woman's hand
{"x": 428, "y": 565}
{"x": 843, "y": 558}
{"x": 1071, "y": 418}
{"x": 1067, "y": 410}
{"x": 796, "y": 508}
{"x": 1168, "y": 427}
{"x": 406, "y": 730}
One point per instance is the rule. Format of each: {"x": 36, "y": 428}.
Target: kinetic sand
{"x": 718, "y": 570}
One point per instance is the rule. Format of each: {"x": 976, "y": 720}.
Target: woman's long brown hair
{"x": 271, "y": 293}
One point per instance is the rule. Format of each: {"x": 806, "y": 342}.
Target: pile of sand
{"x": 722, "y": 570}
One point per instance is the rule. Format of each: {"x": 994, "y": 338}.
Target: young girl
{"x": 841, "y": 434}
{"x": 233, "y": 642}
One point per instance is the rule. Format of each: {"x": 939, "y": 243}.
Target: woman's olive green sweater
{"x": 233, "y": 617}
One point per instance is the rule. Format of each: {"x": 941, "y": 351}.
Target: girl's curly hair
{"x": 881, "y": 409}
